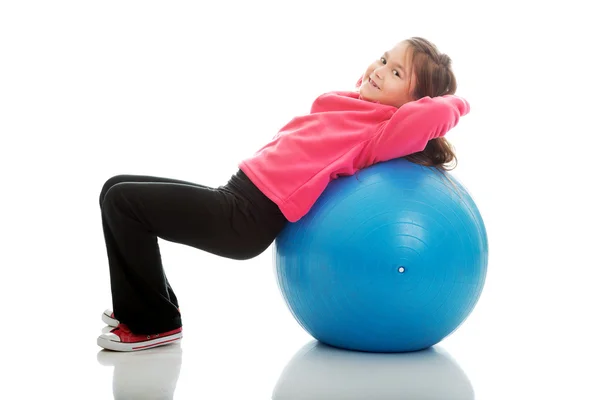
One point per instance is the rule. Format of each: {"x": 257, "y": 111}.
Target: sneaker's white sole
{"x": 108, "y": 320}
{"x": 149, "y": 344}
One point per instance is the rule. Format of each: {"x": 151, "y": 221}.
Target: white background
{"x": 182, "y": 89}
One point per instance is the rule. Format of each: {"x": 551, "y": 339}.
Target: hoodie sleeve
{"x": 414, "y": 124}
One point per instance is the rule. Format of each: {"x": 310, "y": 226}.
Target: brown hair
{"x": 434, "y": 75}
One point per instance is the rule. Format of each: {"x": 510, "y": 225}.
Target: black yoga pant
{"x": 235, "y": 221}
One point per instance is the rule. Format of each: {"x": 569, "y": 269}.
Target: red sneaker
{"x": 122, "y": 339}
{"x": 109, "y": 318}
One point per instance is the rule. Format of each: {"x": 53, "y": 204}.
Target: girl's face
{"x": 390, "y": 79}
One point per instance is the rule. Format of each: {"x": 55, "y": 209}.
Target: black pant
{"x": 235, "y": 221}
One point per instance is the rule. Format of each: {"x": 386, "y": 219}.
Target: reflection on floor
{"x": 316, "y": 371}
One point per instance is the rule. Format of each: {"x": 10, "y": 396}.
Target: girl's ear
{"x": 359, "y": 82}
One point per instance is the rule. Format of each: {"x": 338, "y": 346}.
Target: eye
{"x": 384, "y": 61}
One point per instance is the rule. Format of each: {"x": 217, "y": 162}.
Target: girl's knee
{"x": 109, "y": 184}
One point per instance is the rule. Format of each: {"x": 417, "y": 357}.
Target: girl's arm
{"x": 415, "y": 124}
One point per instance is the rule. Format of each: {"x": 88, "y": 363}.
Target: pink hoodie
{"x": 341, "y": 135}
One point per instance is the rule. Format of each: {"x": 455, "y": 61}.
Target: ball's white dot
{"x": 401, "y": 270}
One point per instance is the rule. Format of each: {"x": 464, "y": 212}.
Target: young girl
{"x": 403, "y": 107}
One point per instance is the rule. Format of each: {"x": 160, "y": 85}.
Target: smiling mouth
{"x": 373, "y": 83}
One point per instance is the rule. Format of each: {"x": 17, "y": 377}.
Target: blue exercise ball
{"x": 391, "y": 259}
